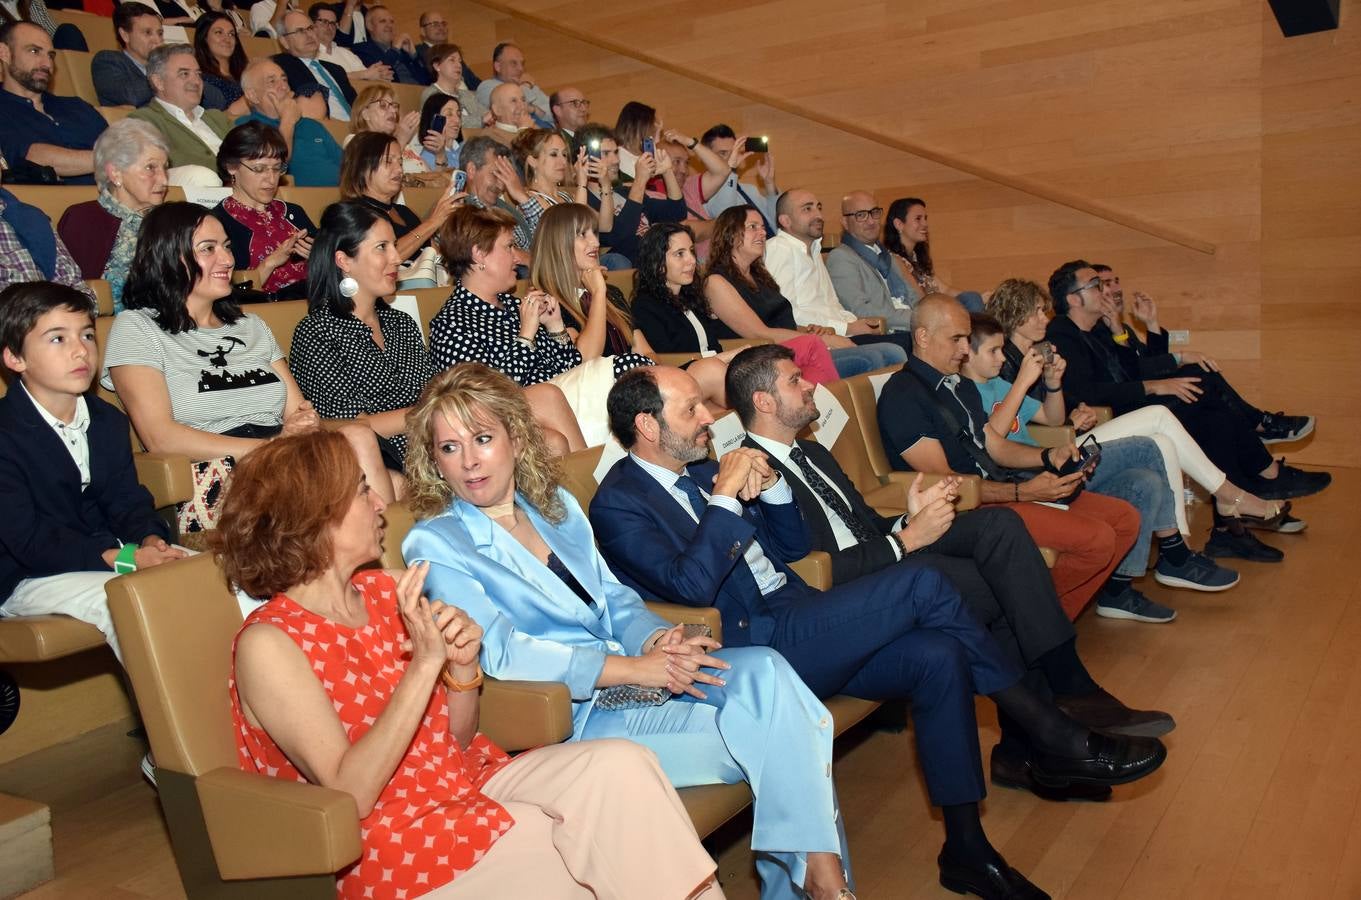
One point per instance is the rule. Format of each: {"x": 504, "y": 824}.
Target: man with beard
{"x": 42, "y": 129}
{"x": 675, "y": 526}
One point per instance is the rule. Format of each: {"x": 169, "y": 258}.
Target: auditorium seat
{"x": 98, "y": 30}
{"x": 53, "y": 199}
{"x": 408, "y": 95}
{"x": 73, "y": 77}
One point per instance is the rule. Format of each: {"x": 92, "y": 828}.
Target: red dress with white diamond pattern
{"x": 431, "y": 822}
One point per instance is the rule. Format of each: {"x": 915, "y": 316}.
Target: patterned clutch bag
{"x": 635, "y": 696}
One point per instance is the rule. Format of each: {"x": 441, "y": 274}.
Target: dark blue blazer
{"x": 659, "y": 551}
{"x": 48, "y": 526}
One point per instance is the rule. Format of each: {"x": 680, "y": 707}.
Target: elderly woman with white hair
{"x": 131, "y": 162}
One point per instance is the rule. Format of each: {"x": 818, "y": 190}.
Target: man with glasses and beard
{"x": 867, "y": 280}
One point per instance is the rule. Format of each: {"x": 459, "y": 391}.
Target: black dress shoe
{"x": 1012, "y": 770}
{"x": 1099, "y": 711}
{"x": 1112, "y": 759}
{"x": 1232, "y": 539}
{"x": 994, "y": 881}
{"x": 1289, "y": 482}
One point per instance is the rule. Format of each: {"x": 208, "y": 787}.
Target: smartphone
{"x": 437, "y": 123}
{"x": 1047, "y": 351}
{"x": 593, "y": 150}
{"x": 649, "y": 146}
{"x": 1090, "y": 452}
{"x": 757, "y": 144}
{"x": 459, "y": 183}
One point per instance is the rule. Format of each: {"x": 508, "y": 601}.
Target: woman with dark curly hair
{"x": 444, "y": 812}
{"x": 671, "y": 310}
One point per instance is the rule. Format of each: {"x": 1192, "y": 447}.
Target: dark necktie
{"x": 862, "y": 531}
{"x": 692, "y": 493}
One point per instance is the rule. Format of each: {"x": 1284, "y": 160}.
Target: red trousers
{"x": 1091, "y": 538}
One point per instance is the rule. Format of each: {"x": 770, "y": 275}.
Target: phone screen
{"x": 593, "y": 151}
{"x": 757, "y": 145}
{"x": 649, "y": 146}
{"x": 459, "y": 183}
{"x": 438, "y": 122}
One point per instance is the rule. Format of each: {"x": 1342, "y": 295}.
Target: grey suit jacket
{"x": 118, "y": 81}
{"x": 862, "y": 290}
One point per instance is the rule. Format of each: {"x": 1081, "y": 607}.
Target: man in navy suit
{"x": 74, "y": 514}
{"x": 676, "y": 526}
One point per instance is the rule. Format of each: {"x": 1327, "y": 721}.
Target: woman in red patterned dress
{"x": 356, "y": 681}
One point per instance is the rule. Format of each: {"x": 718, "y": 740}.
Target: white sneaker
{"x": 149, "y": 769}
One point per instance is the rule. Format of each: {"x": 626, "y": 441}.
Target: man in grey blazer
{"x": 867, "y": 280}
{"x": 119, "y": 76}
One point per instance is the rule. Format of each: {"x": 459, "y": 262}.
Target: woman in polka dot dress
{"x": 355, "y": 681}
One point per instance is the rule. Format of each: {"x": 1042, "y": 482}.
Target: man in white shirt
{"x": 510, "y": 114}
{"x": 794, "y": 260}
{"x": 192, "y": 133}
{"x": 324, "y": 18}
{"x": 508, "y": 62}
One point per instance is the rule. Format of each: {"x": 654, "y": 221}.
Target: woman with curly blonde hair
{"x": 499, "y": 535}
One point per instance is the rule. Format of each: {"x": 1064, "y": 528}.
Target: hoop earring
{"x": 348, "y": 287}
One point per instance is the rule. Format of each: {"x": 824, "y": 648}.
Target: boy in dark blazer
{"x": 74, "y": 514}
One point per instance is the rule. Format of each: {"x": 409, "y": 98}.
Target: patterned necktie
{"x": 862, "y": 531}
{"x": 692, "y": 493}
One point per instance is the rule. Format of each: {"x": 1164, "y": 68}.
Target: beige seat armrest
{"x": 1103, "y": 414}
{"x": 815, "y": 568}
{"x": 518, "y": 715}
{"x": 741, "y": 343}
{"x": 1052, "y": 435}
{"x": 674, "y": 359}
{"x": 880, "y": 321}
{"x": 970, "y": 486}
{"x": 263, "y": 827}
{"x": 680, "y": 614}
{"x": 166, "y": 475}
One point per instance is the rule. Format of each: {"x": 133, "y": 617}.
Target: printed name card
{"x": 610, "y": 454}
{"x": 207, "y": 196}
{"x": 832, "y": 417}
{"x": 727, "y": 434}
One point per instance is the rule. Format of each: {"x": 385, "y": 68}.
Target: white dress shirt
{"x": 341, "y": 56}
{"x": 804, "y": 281}
{"x": 73, "y": 434}
{"x": 768, "y": 578}
{"x": 194, "y": 123}
{"x": 335, "y": 100}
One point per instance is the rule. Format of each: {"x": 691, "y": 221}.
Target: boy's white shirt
{"x": 73, "y": 434}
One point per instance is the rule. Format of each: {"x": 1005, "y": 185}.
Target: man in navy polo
{"x": 40, "y": 128}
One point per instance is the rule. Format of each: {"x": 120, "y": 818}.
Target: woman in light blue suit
{"x": 509, "y": 545}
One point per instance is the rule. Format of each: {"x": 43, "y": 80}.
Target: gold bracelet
{"x": 460, "y": 687}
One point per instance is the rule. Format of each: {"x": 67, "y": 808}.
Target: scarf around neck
{"x": 124, "y": 246}
{"x": 882, "y": 263}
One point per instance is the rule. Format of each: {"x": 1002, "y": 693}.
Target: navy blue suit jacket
{"x": 655, "y": 548}
{"x": 48, "y": 525}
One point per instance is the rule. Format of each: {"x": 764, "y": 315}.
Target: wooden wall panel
{"x": 1193, "y": 115}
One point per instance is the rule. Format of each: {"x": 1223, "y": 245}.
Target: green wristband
{"x": 126, "y": 560}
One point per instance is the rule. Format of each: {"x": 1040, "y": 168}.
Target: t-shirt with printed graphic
{"x": 994, "y": 391}
{"x": 218, "y": 378}
{"x": 432, "y": 821}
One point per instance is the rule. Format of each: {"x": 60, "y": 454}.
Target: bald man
{"x": 313, "y": 154}
{"x": 933, "y": 421}
{"x": 867, "y": 279}
{"x": 303, "y": 68}
{"x": 510, "y": 113}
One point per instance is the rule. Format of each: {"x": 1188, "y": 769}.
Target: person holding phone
{"x": 440, "y": 134}
{"x": 635, "y": 206}
{"x": 267, "y": 234}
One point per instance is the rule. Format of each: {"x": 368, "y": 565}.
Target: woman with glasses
{"x": 377, "y": 109}
{"x": 222, "y": 60}
{"x": 907, "y": 236}
{"x": 266, "y": 234}
{"x": 446, "y": 67}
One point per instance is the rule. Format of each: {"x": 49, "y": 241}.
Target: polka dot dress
{"x": 431, "y": 822}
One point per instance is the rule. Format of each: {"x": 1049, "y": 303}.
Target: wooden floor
{"x": 1259, "y": 797}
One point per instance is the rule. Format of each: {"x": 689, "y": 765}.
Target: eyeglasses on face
{"x": 308, "y": 30}
{"x": 866, "y": 215}
{"x": 264, "y": 169}
{"x": 1093, "y": 285}
{"x": 579, "y": 104}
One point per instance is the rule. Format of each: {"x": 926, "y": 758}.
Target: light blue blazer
{"x": 536, "y": 628}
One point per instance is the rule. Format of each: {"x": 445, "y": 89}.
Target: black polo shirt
{"x": 67, "y": 122}
{"x": 907, "y": 414}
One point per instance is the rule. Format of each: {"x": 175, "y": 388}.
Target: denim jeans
{"x": 1132, "y": 469}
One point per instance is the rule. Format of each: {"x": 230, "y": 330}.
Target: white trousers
{"x": 1180, "y": 451}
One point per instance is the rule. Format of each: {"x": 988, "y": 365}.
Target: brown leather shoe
{"x": 1100, "y": 711}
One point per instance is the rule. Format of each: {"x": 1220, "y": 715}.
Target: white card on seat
{"x": 406, "y": 303}
{"x": 832, "y": 417}
{"x": 727, "y": 434}
{"x": 878, "y": 381}
{"x": 610, "y": 454}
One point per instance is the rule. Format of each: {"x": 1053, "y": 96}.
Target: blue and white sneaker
{"x": 1198, "y": 573}
{"x": 1134, "y": 606}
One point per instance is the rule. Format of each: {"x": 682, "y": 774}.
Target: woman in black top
{"x": 371, "y": 172}
{"x": 353, "y": 356}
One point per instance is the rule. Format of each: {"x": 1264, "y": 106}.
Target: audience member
{"x": 509, "y": 114}
{"x": 543, "y": 156}
{"x": 438, "y": 147}
{"x": 353, "y": 356}
{"x": 325, "y": 19}
{"x": 377, "y": 109}
{"x": 987, "y": 555}
{"x": 434, "y": 31}
{"x": 1010, "y": 407}
{"x": 131, "y": 166}
{"x": 448, "y": 72}
{"x": 793, "y": 257}
{"x": 747, "y": 300}
{"x": 907, "y": 236}
{"x": 197, "y": 376}
{"x": 1095, "y": 375}
{"x": 179, "y": 12}
{"x": 304, "y": 67}
{"x": 571, "y": 111}
{"x": 371, "y": 172}
{"x": 560, "y": 821}
{"x": 494, "y": 183}
{"x": 497, "y": 530}
{"x": 508, "y": 64}
{"x": 266, "y": 235}
{"x": 635, "y": 210}
{"x": 75, "y": 515}
{"x": 192, "y": 133}
{"x": 923, "y": 432}
{"x": 670, "y": 308}
{"x": 867, "y": 278}
{"x": 637, "y": 122}
{"x": 29, "y": 249}
{"x": 398, "y": 53}
{"x": 64, "y": 36}
{"x": 120, "y": 76}
{"x": 222, "y": 59}
{"x": 716, "y": 196}
{"x": 313, "y": 155}
{"x": 681, "y": 149}
{"x": 674, "y": 525}
{"x": 46, "y": 138}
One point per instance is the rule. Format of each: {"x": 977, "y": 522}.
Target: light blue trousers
{"x": 1132, "y": 469}
{"x": 765, "y": 728}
